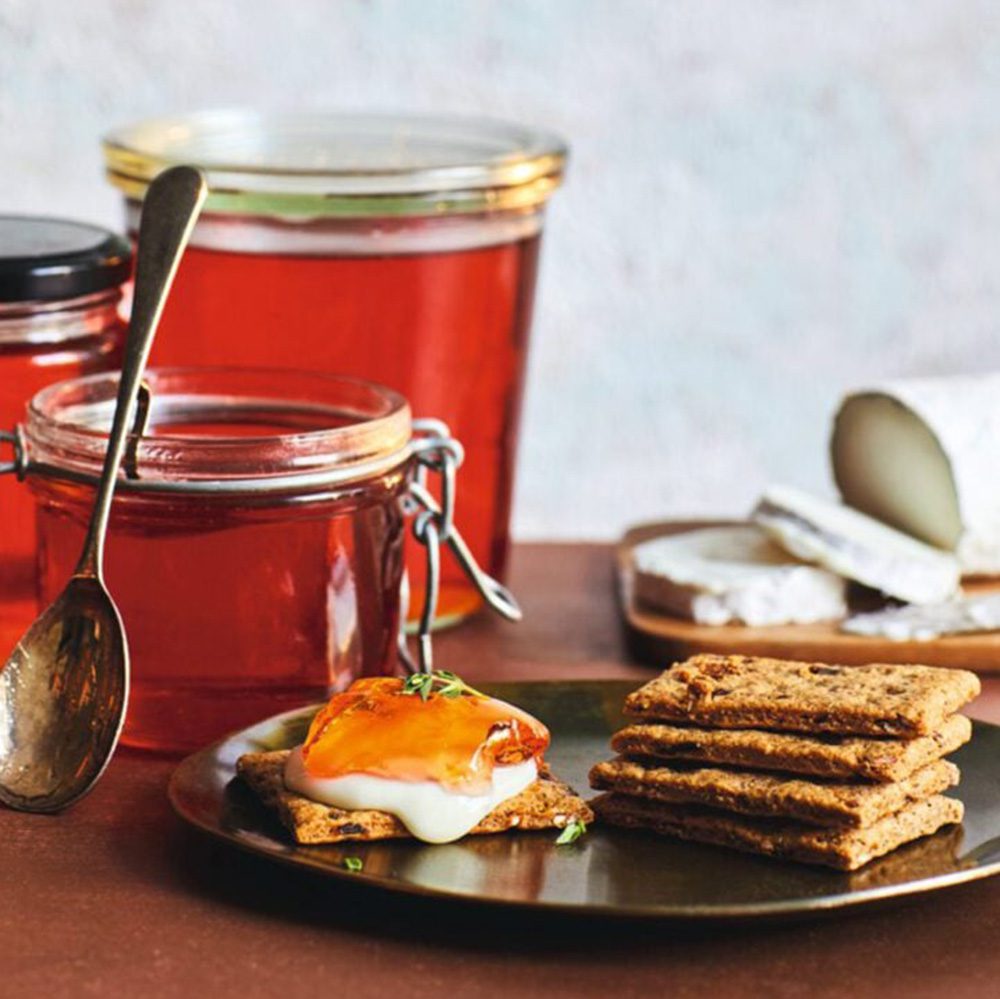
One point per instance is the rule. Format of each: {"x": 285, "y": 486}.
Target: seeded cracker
{"x": 844, "y": 849}
{"x": 751, "y": 692}
{"x": 548, "y": 803}
{"x": 826, "y": 803}
{"x": 822, "y": 755}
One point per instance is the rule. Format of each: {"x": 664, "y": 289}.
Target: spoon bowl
{"x": 62, "y": 700}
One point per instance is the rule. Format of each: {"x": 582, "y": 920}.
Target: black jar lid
{"x": 47, "y": 260}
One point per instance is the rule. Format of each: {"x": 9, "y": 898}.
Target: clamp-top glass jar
{"x": 400, "y": 249}
{"x": 255, "y": 545}
{"x": 60, "y": 287}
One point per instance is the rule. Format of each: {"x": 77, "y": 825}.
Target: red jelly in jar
{"x": 403, "y": 249}
{"x": 256, "y": 551}
{"x": 60, "y": 287}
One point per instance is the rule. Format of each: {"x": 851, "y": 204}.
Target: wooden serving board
{"x": 659, "y": 639}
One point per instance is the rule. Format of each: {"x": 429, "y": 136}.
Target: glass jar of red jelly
{"x": 60, "y": 286}
{"x": 399, "y": 249}
{"x": 255, "y": 545}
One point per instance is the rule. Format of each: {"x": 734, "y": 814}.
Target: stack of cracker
{"x": 832, "y": 765}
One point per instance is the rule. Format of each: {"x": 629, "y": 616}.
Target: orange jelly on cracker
{"x": 377, "y": 728}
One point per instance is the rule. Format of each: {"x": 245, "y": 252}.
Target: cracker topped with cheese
{"x": 547, "y": 803}
{"x": 427, "y": 757}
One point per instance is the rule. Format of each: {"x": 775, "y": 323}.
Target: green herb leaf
{"x": 441, "y": 682}
{"x": 575, "y": 828}
{"x": 354, "y": 864}
{"x": 413, "y": 682}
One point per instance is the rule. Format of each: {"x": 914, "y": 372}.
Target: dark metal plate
{"x": 609, "y": 872}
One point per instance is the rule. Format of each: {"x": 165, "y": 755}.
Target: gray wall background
{"x": 770, "y": 201}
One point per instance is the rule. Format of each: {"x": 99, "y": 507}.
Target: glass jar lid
{"x": 51, "y": 260}
{"x": 225, "y": 430}
{"x": 352, "y": 165}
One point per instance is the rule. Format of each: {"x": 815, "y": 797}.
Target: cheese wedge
{"x": 930, "y": 621}
{"x": 722, "y": 575}
{"x": 923, "y": 455}
{"x": 856, "y": 546}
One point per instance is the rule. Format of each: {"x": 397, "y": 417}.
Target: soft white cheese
{"x": 923, "y": 455}
{"x": 718, "y": 575}
{"x": 856, "y": 546}
{"x": 922, "y": 624}
{"x": 428, "y": 810}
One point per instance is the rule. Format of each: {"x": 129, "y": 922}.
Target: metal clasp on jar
{"x": 16, "y": 463}
{"x": 19, "y": 464}
{"x": 435, "y": 450}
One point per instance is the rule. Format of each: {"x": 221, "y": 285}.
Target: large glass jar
{"x": 255, "y": 548}
{"x": 400, "y": 249}
{"x": 60, "y": 286}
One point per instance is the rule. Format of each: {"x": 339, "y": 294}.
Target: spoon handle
{"x": 169, "y": 211}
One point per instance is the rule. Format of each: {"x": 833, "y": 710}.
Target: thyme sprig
{"x": 441, "y": 682}
{"x": 573, "y": 830}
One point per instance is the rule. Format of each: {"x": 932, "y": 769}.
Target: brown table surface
{"x": 118, "y": 897}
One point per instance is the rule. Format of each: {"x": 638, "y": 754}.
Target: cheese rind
{"x": 856, "y": 546}
{"x": 723, "y": 575}
{"x": 923, "y": 455}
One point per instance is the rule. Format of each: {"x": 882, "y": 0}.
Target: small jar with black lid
{"x": 60, "y": 290}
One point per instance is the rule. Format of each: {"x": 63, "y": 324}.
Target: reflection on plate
{"x": 610, "y": 872}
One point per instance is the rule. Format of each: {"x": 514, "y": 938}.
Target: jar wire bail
{"x": 435, "y": 450}
{"x": 16, "y": 463}
{"x": 19, "y": 465}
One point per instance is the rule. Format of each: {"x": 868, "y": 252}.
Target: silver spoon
{"x": 64, "y": 689}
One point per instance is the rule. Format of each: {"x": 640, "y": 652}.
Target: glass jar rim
{"x": 45, "y": 324}
{"x": 325, "y": 163}
{"x": 341, "y": 430}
